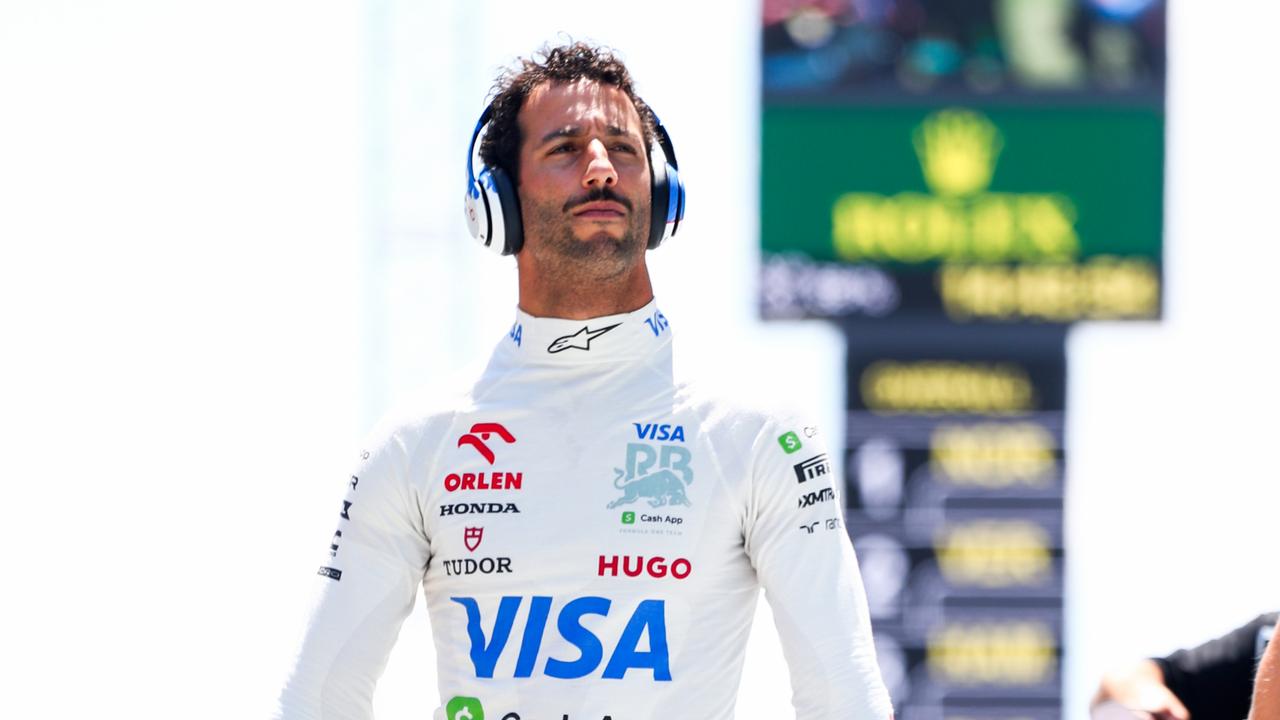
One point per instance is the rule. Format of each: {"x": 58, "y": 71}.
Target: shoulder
{"x": 756, "y": 381}
{"x": 743, "y": 417}
{"x": 419, "y": 419}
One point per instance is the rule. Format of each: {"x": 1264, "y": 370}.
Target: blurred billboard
{"x": 975, "y": 160}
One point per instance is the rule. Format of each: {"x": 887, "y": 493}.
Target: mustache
{"x": 596, "y": 195}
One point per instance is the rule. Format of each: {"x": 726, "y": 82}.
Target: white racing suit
{"x": 591, "y": 533}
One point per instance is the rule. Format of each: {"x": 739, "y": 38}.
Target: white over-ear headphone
{"x": 493, "y": 208}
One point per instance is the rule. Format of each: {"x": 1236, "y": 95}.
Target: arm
{"x": 1211, "y": 679}
{"x": 805, "y": 562}
{"x": 1141, "y": 687}
{"x": 1266, "y": 688}
{"x": 1216, "y": 677}
{"x": 367, "y": 586}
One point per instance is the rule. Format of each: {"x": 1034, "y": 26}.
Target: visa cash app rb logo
{"x": 658, "y": 474}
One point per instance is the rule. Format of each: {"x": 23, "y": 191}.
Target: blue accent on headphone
{"x": 492, "y": 208}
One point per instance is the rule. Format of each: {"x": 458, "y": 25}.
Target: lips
{"x": 600, "y": 210}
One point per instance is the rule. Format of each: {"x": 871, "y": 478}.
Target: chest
{"x": 639, "y": 495}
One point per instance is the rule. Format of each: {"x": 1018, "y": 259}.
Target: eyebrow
{"x": 572, "y": 131}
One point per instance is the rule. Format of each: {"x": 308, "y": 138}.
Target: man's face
{"x": 584, "y": 176}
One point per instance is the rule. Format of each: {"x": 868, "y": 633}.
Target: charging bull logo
{"x": 658, "y": 474}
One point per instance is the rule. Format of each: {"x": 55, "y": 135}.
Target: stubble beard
{"x": 599, "y": 258}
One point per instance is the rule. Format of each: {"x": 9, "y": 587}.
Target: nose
{"x": 600, "y": 171}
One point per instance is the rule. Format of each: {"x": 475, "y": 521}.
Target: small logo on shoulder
{"x": 464, "y": 708}
{"x": 813, "y": 468}
{"x": 790, "y": 442}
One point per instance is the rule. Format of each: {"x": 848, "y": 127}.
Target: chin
{"x": 600, "y": 236}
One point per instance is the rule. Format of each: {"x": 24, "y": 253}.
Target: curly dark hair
{"x": 500, "y": 147}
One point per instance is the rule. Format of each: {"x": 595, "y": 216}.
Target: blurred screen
{"x": 956, "y": 183}
{"x": 954, "y": 493}
{"x": 983, "y": 160}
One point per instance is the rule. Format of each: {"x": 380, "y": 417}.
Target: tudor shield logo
{"x": 472, "y": 536}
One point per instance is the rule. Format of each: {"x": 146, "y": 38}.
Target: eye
{"x": 562, "y": 148}
{"x": 625, "y": 147}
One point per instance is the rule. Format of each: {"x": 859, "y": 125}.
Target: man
{"x": 1212, "y": 681}
{"x": 590, "y": 530}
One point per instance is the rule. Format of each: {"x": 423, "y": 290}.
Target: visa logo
{"x": 654, "y": 431}
{"x": 658, "y": 323}
{"x": 648, "y": 619}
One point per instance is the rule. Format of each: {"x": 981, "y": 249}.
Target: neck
{"x": 573, "y": 297}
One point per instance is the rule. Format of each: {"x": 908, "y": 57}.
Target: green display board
{"x": 955, "y": 183}
{"x": 1007, "y": 213}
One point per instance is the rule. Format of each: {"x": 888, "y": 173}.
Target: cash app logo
{"x": 790, "y": 442}
{"x": 464, "y": 708}
{"x": 628, "y": 518}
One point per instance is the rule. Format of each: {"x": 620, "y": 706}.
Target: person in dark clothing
{"x": 1213, "y": 681}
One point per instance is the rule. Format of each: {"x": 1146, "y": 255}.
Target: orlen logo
{"x": 480, "y": 432}
{"x": 634, "y": 565}
{"x": 483, "y": 481}
{"x": 648, "y": 624}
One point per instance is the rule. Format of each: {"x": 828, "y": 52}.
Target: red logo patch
{"x": 481, "y": 432}
{"x": 636, "y": 565}
{"x": 471, "y": 537}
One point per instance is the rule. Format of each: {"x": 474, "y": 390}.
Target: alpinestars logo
{"x": 480, "y": 432}
{"x": 580, "y": 340}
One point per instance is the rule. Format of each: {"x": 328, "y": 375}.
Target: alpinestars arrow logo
{"x": 580, "y": 340}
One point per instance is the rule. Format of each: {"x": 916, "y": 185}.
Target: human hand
{"x": 1141, "y": 689}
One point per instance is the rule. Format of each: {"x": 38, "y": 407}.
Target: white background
{"x": 227, "y": 245}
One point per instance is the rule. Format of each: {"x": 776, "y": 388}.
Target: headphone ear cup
{"x": 503, "y": 195}
{"x": 677, "y": 199}
{"x": 667, "y": 196}
{"x": 492, "y": 208}
{"x": 667, "y": 204}
{"x": 659, "y": 200}
{"x": 476, "y": 212}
